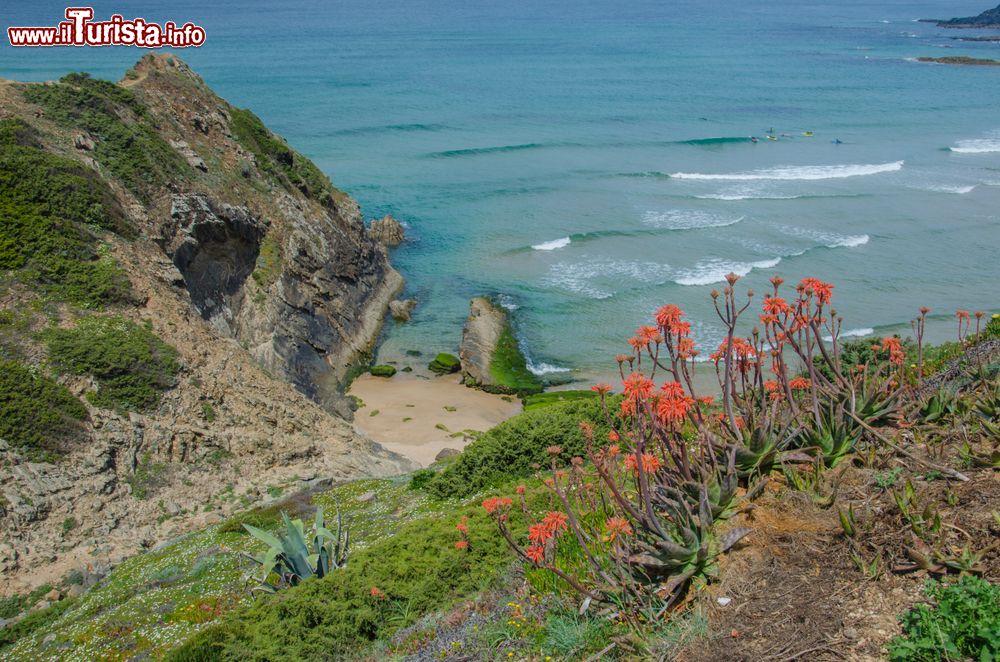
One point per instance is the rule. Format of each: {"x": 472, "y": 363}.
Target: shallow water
{"x": 591, "y": 161}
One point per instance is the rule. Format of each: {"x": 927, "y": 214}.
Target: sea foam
{"x": 552, "y": 245}
{"x": 797, "y": 173}
{"x": 979, "y": 146}
{"x": 687, "y": 219}
{"x": 853, "y": 333}
{"x": 714, "y": 270}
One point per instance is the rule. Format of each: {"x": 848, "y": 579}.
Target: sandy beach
{"x": 418, "y": 415}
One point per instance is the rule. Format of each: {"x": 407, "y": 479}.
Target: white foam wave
{"x": 544, "y": 368}
{"x": 507, "y": 302}
{"x": 746, "y": 196}
{"x": 979, "y": 146}
{"x": 552, "y": 245}
{"x": 688, "y": 219}
{"x": 797, "y": 173}
{"x": 853, "y": 333}
{"x": 598, "y": 278}
{"x": 828, "y": 239}
{"x": 850, "y": 241}
{"x": 942, "y": 188}
{"x": 714, "y": 270}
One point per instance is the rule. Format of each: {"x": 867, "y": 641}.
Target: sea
{"x": 586, "y": 162}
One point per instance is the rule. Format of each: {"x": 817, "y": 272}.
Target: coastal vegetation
{"x": 37, "y": 415}
{"x": 53, "y": 209}
{"x": 275, "y": 157}
{"x": 126, "y": 142}
{"x": 594, "y": 523}
{"x": 129, "y": 363}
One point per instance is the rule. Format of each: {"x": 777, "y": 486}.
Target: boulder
{"x": 382, "y": 370}
{"x": 482, "y": 331}
{"x": 400, "y": 310}
{"x": 445, "y": 364}
{"x": 386, "y": 231}
{"x": 491, "y": 357}
{"x": 446, "y": 453}
{"x": 84, "y": 142}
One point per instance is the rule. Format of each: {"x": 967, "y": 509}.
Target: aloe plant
{"x": 288, "y": 555}
{"x": 942, "y": 405}
{"x": 832, "y": 438}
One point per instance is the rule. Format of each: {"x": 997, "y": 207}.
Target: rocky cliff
{"x": 210, "y": 232}
{"x": 988, "y": 19}
{"x": 490, "y": 355}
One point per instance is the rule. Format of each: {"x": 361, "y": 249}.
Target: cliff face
{"x": 271, "y": 253}
{"x": 224, "y": 243}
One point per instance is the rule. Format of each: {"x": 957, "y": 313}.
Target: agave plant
{"x": 288, "y": 555}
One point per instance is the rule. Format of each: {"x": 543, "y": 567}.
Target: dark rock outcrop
{"x": 988, "y": 19}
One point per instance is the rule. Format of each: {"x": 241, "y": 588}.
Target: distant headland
{"x": 988, "y": 19}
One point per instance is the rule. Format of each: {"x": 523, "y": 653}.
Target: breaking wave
{"x": 797, "y": 173}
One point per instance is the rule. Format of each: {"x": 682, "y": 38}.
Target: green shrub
{"x": 963, "y": 624}
{"x": 33, "y": 621}
{"x": 992, "y": 328}
{"x": 37, "y": 415}
{"x": 508, "y": 451}
{"x": 444, "y": 364}
{"x": 49, "y": 206}
{"x": 131, "y": 365}
{"x": 382, "y": 370}
{"x": 539, "y": 400}
{"x": 418, "y": 570}
{"x": 292, "y": 170}
{"x": 126, "y": 141}
{"x": 12, "y": 605}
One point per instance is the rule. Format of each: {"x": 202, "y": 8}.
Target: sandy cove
{"x": 416, "y": 414}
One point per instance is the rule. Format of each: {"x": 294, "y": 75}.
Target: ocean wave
{"x": 542, "y": 368}
{"x": 552, "y": 245}
{"x": 478, "y": 151}
{"x": 507, "y": 302}
{"x": 588, "y": 276}
{"x": 827, "y": 239}
{"x": 714, "y": 270}
{"x": 797, "y": 173}
{"x": 960, "y": 190}
{"x": 747, "y": 196}
{"x": 725, "y": 140}
{"x": 978, "y": 146}
{"x": 853, "y": 333}
{"x": 387, "y": 128}
{"x": 653, "y": 174}
{"x": 687, "y": 219}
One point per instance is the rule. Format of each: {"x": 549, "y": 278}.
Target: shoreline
{"x": 418, "y": 414}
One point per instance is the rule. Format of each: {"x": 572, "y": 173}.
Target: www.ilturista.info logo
{"x": 80, "y": 30}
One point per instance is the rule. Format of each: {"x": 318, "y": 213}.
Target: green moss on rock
{"x": 445, "y": 364}
{"x": 382, "y": 370}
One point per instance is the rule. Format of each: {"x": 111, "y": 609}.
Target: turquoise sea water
{"x": 589, "y": 161}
